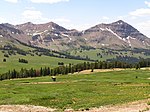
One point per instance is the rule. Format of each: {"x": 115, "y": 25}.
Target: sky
{"x": 77, "y": 14}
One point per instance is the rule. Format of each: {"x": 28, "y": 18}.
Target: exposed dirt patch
{"x": 24, "y": 108}
{"x": 145, "y": 68}
{"x": 138, "y": 106}
{"x": 99, "y": 70}
{"x": 45, "y": 83}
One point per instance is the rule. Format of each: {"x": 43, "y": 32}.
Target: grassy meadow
{"x": 33, "y": 62}
{"x": 78, "y": 91}
{"x": 92, "y": 54}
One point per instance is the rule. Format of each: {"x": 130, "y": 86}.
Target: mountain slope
{"x": 49, "y": 35}
{"x": 117, "y": 35}
{"x": 10, "y": 33}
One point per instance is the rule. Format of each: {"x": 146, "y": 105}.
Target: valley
{"x": 109, "y": 58}
{"x": 40, "y": 43}
{"x": 74, "y": 56}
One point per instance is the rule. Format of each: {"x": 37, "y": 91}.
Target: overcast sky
{"x": 78, "y": 14}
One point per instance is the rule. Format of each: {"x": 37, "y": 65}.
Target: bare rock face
{"x": 117, "y": 35}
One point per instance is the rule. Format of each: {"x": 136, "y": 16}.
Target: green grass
{"x": 78, "y": 91}
{"x": 92, "y": 54}
{"x": 33, "y": 62}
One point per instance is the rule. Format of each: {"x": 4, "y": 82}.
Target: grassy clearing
{"x": 78, "y": 91}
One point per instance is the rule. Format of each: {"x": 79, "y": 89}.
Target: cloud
{"x": 33, "y": 16}
{"x": 105, "y": 18}
{"x": 30, "y": 8}
{"x": 49, "y": 1}
{"x": 147, "y": 3}
{"x": 61, "y": 20}
{"x": 79, "y": 27}
{"x": 2, "y": 20}
{"x": 141, "y": 12}
{"x": 144, "y": 27}
{"x": 12, "y": 1}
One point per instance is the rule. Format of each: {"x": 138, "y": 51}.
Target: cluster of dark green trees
{"x": 24, "y": 73}
{"x": 66, "y": 69}
{"x": 23, "y": 60}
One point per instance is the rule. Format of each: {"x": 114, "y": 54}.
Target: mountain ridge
{"x": 116, "y": 35}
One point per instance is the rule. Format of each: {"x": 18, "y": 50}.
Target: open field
{"x": 78, "y": 91}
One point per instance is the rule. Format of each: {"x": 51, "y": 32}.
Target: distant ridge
{"x": 116, "y": 35}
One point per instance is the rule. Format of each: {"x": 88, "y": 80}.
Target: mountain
{"x": 116, "y": 35}
{"x": 49, "y": 35}
{"x": 9, "y": 33}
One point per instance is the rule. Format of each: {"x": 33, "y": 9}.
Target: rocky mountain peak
{"x": 125, "y": 30}
{"x": 119, "y": 22}
{"x": 28, "y": 23}
{"x": 55, "y": 26}
{"x": 7, "y": 24}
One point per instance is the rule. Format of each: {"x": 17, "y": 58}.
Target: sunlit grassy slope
{"x": 33, "y": 62}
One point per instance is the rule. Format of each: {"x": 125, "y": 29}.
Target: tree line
{"x": 66, "y": 69}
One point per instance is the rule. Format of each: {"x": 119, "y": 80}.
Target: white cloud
{"x": 147, "y": 3}
{"x": 105, "y": 18}
{"x": 2, "y": 20}
{"x": 79, "y": 27}
{"x": 30, "y": 8}
{"x": 33, "y": 16}
{"x": 120, "y": 17}
{"x": 49, "y": 1}
{"x": 61, "y": 20}
{"x": 12, "y": 1}
{"x": 144, "y": 27}
{"x": 141, "y": 12}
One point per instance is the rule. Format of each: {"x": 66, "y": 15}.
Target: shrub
{"x": 6, "y": 55}
{"x": 23, "y": 61}
{"x": 4, "y": 60}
